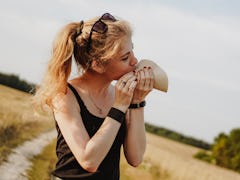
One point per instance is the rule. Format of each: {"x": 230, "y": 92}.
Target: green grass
{"x": 43, "y": 163}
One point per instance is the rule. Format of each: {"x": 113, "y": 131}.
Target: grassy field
{"x": 18, "y": 122}
{"x": 176, "y": 159}
{"x": 44, "y": 163}
{"x": 164, "y": 159}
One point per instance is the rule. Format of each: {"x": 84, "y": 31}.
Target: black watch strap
{"x": 138, "y": 105}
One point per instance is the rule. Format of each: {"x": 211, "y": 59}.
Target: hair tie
{"x": 78, "y": 31}
{"x": 79, "y": 28}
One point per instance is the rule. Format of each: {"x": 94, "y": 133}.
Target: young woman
{"x": 94, "y": 118}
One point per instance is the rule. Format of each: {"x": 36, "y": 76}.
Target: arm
{"x": 135, "y": 140}
{"x": 90, "y": 152}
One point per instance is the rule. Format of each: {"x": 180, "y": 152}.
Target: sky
{"x": 196, "y": 42}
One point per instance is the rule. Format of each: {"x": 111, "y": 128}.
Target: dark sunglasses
{"x": 100, "y": 27}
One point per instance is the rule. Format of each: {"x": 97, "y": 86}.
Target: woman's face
{"x": 124, "y": 62}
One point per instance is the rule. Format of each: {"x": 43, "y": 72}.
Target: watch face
{"x": 138, "y": 105}
{"x": 160, "y": 76}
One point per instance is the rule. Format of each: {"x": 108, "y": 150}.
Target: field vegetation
{"x": 18, "y": 122}
{"x": 164, "y": 159}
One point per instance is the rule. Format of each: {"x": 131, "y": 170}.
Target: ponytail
{"x": 59, "y": 67}
{"x": 73, "y": 40}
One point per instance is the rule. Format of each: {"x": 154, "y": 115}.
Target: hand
{"x": 145, "y": 80}
{"x": 124, "y": 89}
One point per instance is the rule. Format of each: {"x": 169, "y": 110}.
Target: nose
{"x": 133, "y": 61}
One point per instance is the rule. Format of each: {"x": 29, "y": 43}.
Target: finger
{"x": 141, "y": 78}
{"x": 125, "y": 78}
{"x": 124, "y": 85}
{"x": 132, "y": 86}
{"x": 121, "y": 84}
{"x": 151, "y": 78}
{"x": 147, "y": 78}
{"x": 129, "y": 82}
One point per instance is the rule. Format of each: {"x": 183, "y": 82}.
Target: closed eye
{"x": 125, "y": 58}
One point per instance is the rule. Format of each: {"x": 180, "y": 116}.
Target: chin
{"x": 117, "y": 77}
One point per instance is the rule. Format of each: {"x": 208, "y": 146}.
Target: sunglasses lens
{"x": 108, "y": 16}
{"x": 99, "y": 27}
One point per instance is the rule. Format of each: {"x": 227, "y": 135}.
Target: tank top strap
{"x": 79, "y": 99}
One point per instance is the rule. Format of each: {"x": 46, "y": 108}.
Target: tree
{"x": 14, "y": 81}
{"x": 226, "y": 150}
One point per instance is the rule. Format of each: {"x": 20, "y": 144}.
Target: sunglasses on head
{"x": 100, "y": 27}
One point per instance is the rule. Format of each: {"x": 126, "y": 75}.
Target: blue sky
{"x": 195, "y": 42}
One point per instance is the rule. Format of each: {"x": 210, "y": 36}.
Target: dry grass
{"x": 16, "y": 106}
{"x": 164, "y": 159}
{"x": 43, "y": 164}
{"x": 176, "y": 160}
{"x": 147, "y": 170}
{"x": 18, "y": 121}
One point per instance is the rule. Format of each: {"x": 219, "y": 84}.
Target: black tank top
{"x": 67, "y": 166}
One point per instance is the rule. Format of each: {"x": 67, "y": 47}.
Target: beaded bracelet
{"x": 116, "y": 114}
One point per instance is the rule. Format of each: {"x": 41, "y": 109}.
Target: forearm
{"x": 99, "y": 145}
{"x": 135, "y": 141}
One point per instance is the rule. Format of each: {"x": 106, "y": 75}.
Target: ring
{"x": 124, "y": 82}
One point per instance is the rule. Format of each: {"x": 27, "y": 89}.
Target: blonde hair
{"x": 72, "y": 44}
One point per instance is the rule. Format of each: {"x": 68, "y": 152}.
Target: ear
{"x": 97, "y": 66}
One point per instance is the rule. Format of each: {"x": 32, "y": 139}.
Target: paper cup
{"x": 160, "y": 76}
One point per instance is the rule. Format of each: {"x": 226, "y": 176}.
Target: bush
{"x": 203, "y": 155}
{"x": 176, "y": 136}
{"x": 226, "y": 150}
{"x": 14, "y": 81}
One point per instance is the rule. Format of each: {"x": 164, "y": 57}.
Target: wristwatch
{"x": 137, "y": 105}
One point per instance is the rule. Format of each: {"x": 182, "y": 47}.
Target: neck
{"x": 97, "y": 84}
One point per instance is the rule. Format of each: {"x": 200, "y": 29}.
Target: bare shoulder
{"x": 65, "y": 103}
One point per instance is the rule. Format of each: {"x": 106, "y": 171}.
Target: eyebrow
{"x": 125, "y": 54}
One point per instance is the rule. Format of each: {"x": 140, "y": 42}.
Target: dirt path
{"x": 18, "y": 162}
